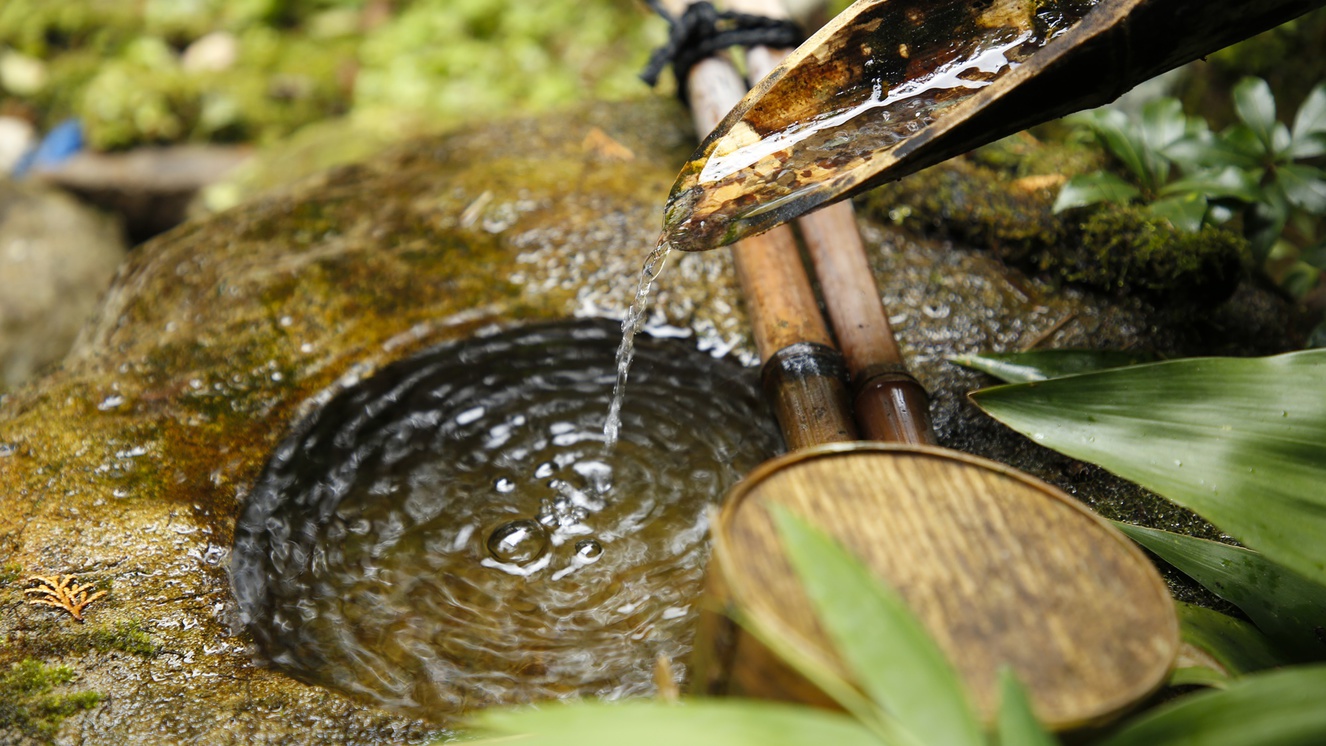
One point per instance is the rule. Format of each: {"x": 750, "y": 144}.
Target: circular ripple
{"x": 452, "y": 533}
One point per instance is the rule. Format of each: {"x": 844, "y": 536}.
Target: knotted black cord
{"x": 703, "y": 31}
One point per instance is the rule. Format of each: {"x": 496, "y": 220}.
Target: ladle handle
{"x": 804, "y": 377}
{"x": 888, "y": 403}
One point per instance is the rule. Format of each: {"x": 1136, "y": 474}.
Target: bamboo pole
{"x": 888, "y": 403}
{"x": 803, "y": 374}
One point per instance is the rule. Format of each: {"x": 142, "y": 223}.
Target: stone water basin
{"x": 131, "y": 466}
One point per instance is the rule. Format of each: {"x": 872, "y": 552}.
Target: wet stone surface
{"x": 131, "y": 465}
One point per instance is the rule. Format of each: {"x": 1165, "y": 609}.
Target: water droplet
{"x": 1177, "y": 462}
{"x": 588, "y": 550}
{"x": 504, "y": 485}
{"x": 518, "y": 542}
{"x": 1039, "y": 436}
{"x": 1284, "y": 414}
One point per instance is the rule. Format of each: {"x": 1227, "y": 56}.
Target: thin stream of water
{"x": 631, "y": 325}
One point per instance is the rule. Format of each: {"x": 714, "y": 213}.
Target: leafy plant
{"x": 1258, "y": 169}
{"x": 1287, "y": 606}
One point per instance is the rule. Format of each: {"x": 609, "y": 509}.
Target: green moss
{"x": 1119, "y": 249}
{"x": 10, "y": 572}
{"x": 125, "y": 637}
{"x": 28, "y": 705}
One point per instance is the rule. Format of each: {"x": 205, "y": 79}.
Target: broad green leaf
{"x": 730, "y": 722}
{"x": 1256, "y": 107}
{"x": 1233, "y": 643}
{"x": 1228, "y": 182}
{"x": 1288, "y": 607}
{"x": 1163, "y": 123}
{"x": 892, "y": 655}
{"x": 1315, "y": 255}
{"x": 1038, "y": 365}
{"x": 1279, "y": 708}
{"x": 1310, "y": 125}
{"x": 1238, "y": 146}
{"x": 1018, "y": 725}
{"x": 1185, "y": 212}
{"x": 1304, "y": 186}
{"x": 1300, "y": 280}
{"x": 1121, "y": 140}
{"x": 1088, "y": 189}
{"x": 1241, "y": 441}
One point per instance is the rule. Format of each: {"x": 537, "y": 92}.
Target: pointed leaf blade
{"x": 645, "y": 723}
{"x": 1256, "y": 107}
{"x": 1233, "y": 643}
{"x": 1288, "y": 607}
{"x": 1240, "y": 441}
{"x": 1281, "y": 708}
{"x": 893, "y": 656}
{"x": 1310, "y": 125}
{"x": 1185, "y": 212}
{"x": 1038, "y": 365}
{"x": 1018, "y": 725}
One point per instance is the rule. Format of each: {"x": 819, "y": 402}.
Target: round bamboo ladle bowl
{"x": 1004, "y": 570}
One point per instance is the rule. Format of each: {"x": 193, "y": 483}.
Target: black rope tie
{"x": 703, "y": 31}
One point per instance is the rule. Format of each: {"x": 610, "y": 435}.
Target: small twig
{"x": 57, "y": 591}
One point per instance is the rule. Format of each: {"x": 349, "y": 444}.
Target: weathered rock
{"x": 128, "y": 466}
{"x": 56, "y": 259}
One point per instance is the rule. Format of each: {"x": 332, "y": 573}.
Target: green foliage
{"x": 118, "y": 66}
{"x": 1284, "y": 605}
{"x": 1235, "y": 645}
{"x": 1242, "y": 442}
{"x": 1255, "y": 168}
{"x": 27, "y": 704}
{"x": 1117, "y": 248}
{"x": 1281, "y": 708}
{"x": 1038, "y": 365}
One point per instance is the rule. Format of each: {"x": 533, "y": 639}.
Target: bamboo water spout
{"x": 892, "y": 86}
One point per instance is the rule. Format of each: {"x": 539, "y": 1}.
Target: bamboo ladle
{"x": 1001, "y": 568}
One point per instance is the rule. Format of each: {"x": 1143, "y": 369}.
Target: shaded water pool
{"x": 452, "y": 533}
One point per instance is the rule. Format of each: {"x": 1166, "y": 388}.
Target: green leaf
{"x": 1237, "y": 146}
{"x": 1240, "y": 441}
{"x": 1121, "y": 139}
{"x": 1264, "y": 221}
{"x": 1233, "y": 643}
{"x": 1198, "y": 676}
{"x": 1088, "y": 189}
{"x": 644, "y": 723}
{"x": 1289, "y": 608}
{"x": 1256, "y": 107}
{"x": 1018, "y": 726}
{"x": 1309, "y": 134}
{"x": 1227, "y": 183}
{"x": 1304, "y": 186}
{"x": 1185, "y": 212}
{"x": 1280, "y": 708}
{"x": 895, "y": 660}
{"x": 1163, "y": 123}
{"x": 1038, "y": 365}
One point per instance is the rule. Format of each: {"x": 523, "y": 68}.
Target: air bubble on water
{"x": 544, "y": 470}
{"x": 588, "y": 550}
{"x": 518, "y": 542}
{"x": 504, "y": 485}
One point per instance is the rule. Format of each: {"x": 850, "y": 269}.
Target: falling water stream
{"x": 454, "y": 532}
{"x": 631, "y": 324}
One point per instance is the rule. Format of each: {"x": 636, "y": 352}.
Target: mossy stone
{"x": 129, "y": 464}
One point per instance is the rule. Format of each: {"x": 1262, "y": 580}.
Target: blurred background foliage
{"x": 164, "y": 71}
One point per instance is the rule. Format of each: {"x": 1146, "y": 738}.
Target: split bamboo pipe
{"x": 803, "y": 375}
